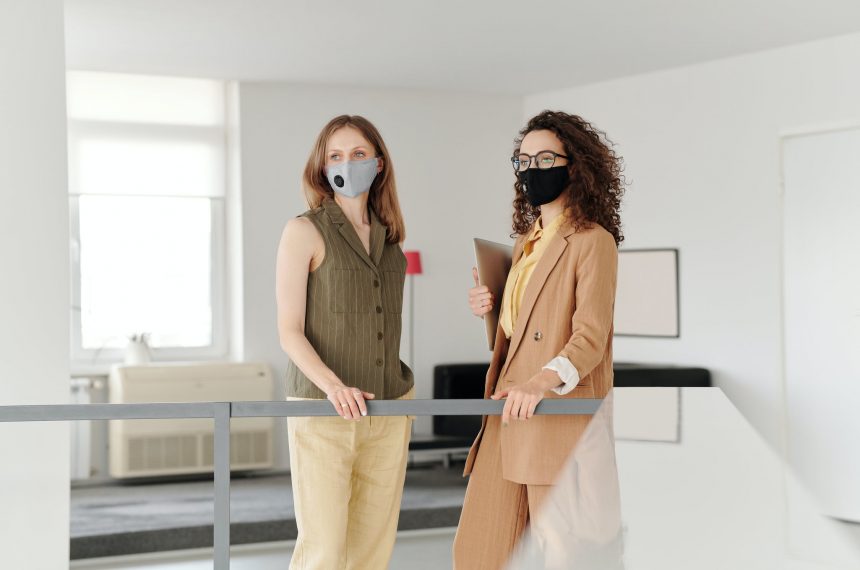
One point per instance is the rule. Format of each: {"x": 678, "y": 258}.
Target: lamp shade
{"x": 413, "y": 262}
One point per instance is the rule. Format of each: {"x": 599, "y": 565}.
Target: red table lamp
{"x": 413, "y": 262}
{"x": 413, "y": 267}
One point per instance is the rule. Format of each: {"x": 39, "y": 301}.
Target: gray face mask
{"x": 352, "y": 178}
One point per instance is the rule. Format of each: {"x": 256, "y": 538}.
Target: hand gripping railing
{"x": 222, "y": 412}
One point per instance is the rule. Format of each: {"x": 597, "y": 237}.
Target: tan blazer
{"x": 567, "y": 309}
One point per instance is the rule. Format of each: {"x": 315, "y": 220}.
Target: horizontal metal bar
{"x": 439, "y": 407}
{"x": 65, "y": 412}
{"x": 298, "y": 408}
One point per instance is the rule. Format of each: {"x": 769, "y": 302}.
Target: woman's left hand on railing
{"x": 521, "y": 401}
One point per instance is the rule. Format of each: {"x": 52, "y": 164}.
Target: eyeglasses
{"x": 544, "y": 159}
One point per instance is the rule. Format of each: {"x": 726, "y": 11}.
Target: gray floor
{"x": 414, "y": 550}
{"x": 118, "y": 520}
{"x": 128, "y": 519}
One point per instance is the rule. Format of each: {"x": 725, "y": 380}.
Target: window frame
{"x": 88, "y": 359}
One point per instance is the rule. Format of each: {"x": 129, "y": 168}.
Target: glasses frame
{"x": 533, "y": 158}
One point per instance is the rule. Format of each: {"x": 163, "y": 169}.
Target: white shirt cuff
{"x": 566, "y": 371}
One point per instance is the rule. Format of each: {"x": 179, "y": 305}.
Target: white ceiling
{"x": 480, "y": 45}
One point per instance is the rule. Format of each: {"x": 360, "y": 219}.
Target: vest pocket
{"x": 392, "y": 292}
{"x": 350, "y": 291}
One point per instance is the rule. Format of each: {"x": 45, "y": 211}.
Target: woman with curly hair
{"x": 554, "y": 338}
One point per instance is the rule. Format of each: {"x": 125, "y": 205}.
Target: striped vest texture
{"x": 354, "y": 309}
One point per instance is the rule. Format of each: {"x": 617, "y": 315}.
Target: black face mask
{"x": 544, "y": 186}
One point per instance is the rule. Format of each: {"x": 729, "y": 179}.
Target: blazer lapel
{"x": 348, "y": 232}
{"x": 537, "y": 280}
{"x": 378, "y": 233}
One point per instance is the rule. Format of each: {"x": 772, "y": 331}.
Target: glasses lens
{"x": 545, "y": 160}
{"x": 521, "y": 162}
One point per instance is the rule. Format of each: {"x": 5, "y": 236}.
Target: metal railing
{"x": 222, "y": 412}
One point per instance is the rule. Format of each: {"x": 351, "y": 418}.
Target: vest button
{"x": 379, "y": 335}
{"x": 379, "y": 362}
{"x": 538, "y": 335}
{"x": 376, "y": 283}
{"x": 378, "y": 309}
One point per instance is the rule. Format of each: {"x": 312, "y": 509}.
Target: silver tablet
{"x": 493, "y": 262}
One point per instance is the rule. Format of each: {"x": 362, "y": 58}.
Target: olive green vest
{"x": 354, "y": 309}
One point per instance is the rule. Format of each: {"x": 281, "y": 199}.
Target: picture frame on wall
{"x": 647, "y": 302}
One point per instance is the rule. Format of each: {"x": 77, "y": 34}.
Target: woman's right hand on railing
{"x": 480, "y": 298}
{"x": 349, "y": 402}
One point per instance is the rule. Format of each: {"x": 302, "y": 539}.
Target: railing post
{"x": 221, "y": 534}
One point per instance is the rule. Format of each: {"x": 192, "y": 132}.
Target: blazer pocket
{"x": 392, "y": 291}
{"x": 350, "y": 291}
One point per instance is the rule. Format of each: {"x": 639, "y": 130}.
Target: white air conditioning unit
{"x": 143, "y": 448}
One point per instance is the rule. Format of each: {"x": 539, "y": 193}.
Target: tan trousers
{"x": 347, "y": 481}
{"x": 495, "y": 511}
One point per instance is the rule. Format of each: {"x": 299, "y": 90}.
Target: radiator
{"x": 81, "y": 432}
{"x": 143, "y": 448}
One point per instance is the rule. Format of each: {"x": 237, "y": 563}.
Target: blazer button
{"x": 378, "y": 309}
{"x": 379, "y": 335}
{"x": 379, "y": 362}
{"x": 538, "y": 335}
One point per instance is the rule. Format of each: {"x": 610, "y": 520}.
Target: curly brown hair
{"x": 596, "y": 175}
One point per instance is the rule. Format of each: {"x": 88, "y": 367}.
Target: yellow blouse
{"x": 521, "y": 272}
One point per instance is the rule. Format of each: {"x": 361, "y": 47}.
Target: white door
{"x": 822, "y": 315}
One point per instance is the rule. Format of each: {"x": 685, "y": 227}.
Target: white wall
{"x": 34, "y": 288}
{"x": 822, "y": 315}
{"x": 702, "y": 148}
{"x": 450, "y": 153}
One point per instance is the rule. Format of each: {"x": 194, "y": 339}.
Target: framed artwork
{"x": 646, "y": 301}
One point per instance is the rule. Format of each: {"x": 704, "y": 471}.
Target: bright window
{"x": 147, "y": 183}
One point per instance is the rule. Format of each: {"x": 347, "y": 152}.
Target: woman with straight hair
{"x": 340, "y": 276}
{"x": 554, "y": 338}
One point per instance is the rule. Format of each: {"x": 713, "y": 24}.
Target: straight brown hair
{"x": 383, "y": 192}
